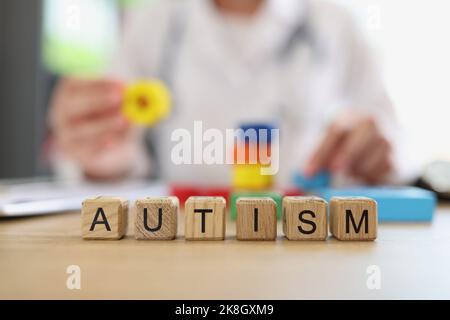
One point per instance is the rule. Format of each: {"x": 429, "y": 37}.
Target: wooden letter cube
{"x": 256, "y": 219}
{"x": 205, "y": 218}
{"x": 353, "y": 218}
{"x": 156, "y": 218}
{"x": 104, "y": 218}
{"x": 305, "y": 218}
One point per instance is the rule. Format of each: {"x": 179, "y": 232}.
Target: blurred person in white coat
{"x": 302, "y": 64}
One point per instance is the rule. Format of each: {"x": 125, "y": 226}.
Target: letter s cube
{"x": 305, "y": 218}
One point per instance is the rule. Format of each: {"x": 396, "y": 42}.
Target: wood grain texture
{"x": 156, "y": 218}
{"x": 210, "y": 225}
{"x": 256, "y": 219}
{"x": 36, "y": 251}
{"x": 353, "y": 218}
{"x": 305, "y": 218}
{"x": 104, "y": 218}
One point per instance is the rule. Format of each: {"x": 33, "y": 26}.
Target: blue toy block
{"x": 259, "y": 128}
{"x": 319, "y": 181}
{"x": 395, "y": 204}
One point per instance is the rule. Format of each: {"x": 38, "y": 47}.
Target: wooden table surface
{"x": 414, "y": 260}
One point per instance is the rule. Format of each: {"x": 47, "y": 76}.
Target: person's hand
{"x": 88, "y": 127}
{"x": 355, "y": 145}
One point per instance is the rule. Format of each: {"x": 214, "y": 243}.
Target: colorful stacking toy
{"x": 248, "y": 153}
{"x": 248, "y": 180}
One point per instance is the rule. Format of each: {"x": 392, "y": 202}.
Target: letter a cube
{"x": 104, "y": 218}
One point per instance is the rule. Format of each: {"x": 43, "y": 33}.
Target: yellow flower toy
{"x": 147, "y": 102}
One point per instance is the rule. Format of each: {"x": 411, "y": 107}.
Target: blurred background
{"x": 41, "y": 40}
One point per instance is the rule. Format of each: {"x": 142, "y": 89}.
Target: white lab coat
{"x": 226, "y": 74}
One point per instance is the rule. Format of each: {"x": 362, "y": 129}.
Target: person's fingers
{"x": 77, "y": 86}
{"x": 381, "y": 166}
{"x": 74, "y": 100}
{"x": 87, "y": 152}
{"x": 354, "y": 145}
{"x": 321, "y": 157}
{"x": 82, "y": 143}
{"x": 75, "y": 151}
{"x": 94, "y": 129}
{"x": 357, "y": 143}
{"x": 93, "y": 102}
{"x": 371, "y": 162}
{"x": 110, "y": 141}
{"x": 380, "y": 174}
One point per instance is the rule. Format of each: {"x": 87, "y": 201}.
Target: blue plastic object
{"x": 319, "y": 181}
{"x": 259, "y": 128}
{"x": 394, "y": 203}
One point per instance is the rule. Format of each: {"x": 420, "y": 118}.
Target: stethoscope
{"x": 173, "y": 41}
{"x": 303, "y": 32}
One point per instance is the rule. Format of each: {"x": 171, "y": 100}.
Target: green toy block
{"x": 250, "y": 194}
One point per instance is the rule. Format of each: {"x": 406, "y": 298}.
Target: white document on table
{"x": 29, "y": 198}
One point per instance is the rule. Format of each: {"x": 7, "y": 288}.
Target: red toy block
{"x": 184, "y": 192}
{"x": 293, "y": 192}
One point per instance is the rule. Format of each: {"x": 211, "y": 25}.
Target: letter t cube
{"x": 205, "y": 218}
